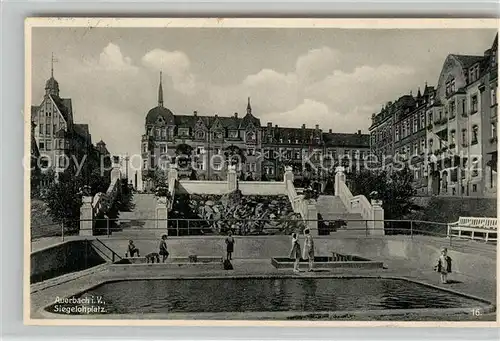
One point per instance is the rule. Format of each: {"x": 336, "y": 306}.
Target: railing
{"x": 186, "y": 228}
{"x": 114, "y": 255}
{"x": 359, "y": 204}
{"x": 344, "y": 194}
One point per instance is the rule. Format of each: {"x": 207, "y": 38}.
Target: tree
{"x": 395, "y": 190}
{"x": 234, "y": 155}
{"x": 159, "y": 177}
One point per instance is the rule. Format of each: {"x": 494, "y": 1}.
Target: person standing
{"x": 443, "y": 265}
{"x": 295, "y": 252}
{"x": 163, "y": 248}
{"x": 308, "y": 249}
{"x": 229, "y": 245}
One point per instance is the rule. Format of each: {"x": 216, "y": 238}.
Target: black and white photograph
{"x": 314, "y": 171}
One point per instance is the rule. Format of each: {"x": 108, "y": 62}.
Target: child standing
{"x": 295, "y": 252}
{"x": 229, "y": 245}
{"x": 163, "y": 248}
{"x": 308, "y": 249}
{"x": 443, "y": 265}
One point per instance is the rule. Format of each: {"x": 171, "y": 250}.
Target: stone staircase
{"x": 332, "y": 208}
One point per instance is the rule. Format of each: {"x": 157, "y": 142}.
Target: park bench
{"x": 474, "y": 227}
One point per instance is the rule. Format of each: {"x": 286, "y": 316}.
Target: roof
{"x": 34, "y": 110}
{"x": 159, "y": 111}
{"x": 82, "y": 130}
{"x": 346, "y": 140}
{"x": 52, "y": 84}
{"x": 64, "y": 106}
{"x": 61, "y": 133}
{"x": 303, "y": 135}
{"x": 467, "y": 60}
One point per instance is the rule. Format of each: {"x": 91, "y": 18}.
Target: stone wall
{"x": 261, "y": 188}
{"x": 417, "y": 253}
{"x": 63, "y": 258}
{"x": 201, "y": 187}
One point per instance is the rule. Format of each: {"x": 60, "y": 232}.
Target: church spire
{"x": 52, "y": 66}
{"x": 160, "y": 93}
{"x": 249, "y": 107}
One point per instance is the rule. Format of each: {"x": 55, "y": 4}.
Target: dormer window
{"x": 183, "y": 131}
{"x": 233, "y": 134}
{"x": 200, "y": 134}
{"x": 250, "y": 136}
{"x": 297, "y": 141}
{"x": 218, "y": 135}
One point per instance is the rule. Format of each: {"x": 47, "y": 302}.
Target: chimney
{"x": 216, "y": 115}
{"x": 330, "y": 131}
{"x": 303, "y": 126}
{"x": 359, "y": 132}
{"x": 195, "y": 113}
{"x": 269, "y": 124}
{"x": 276, "y": 126}
{"x": 235, "y": 115}
{"x": 317, "y": 126}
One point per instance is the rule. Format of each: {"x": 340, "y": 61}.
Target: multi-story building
{"x": 57, "y": 137}
{"x": 264, "y": 150}
{"x": 459, "y": 117}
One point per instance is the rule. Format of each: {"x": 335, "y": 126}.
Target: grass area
{"x": 42, "y": 224}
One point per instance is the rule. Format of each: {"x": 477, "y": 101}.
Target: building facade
{"x": 57, "y": 138}
{"x": 209, "y": 143}
{"x": 447, "y": 134}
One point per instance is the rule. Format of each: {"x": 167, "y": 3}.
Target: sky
{"x": 332, "y": 77}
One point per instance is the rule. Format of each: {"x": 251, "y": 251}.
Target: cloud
{"x": 111, "y": 59}
{"x": 309, "y": 112}
{"x": 175, "y": 64}
{"x": 315, "y": 64}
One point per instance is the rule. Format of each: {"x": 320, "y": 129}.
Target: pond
{"x": 267, "y": 294}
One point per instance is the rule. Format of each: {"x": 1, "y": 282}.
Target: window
{"x": 453, "y": 109}
{"x": 464, "y": 137}
{"x": 62, "y": 161}
{"x": 200, "y": 134}
{"x": 163, "y": 148}
{"x": 251, "y": 136}
{"x": 54, "y": 128}
{"x": 422, "y": 120}
{"x": 493, "y": 129}
{"x": 47, "y": 129}
{"x": 217, "y": 151}
{"x": 475, "y": 167}
{"x": 200, "y": 165}
{"x": 417, "y": 172}
{"x": 253, "y": 167}
{"x": 474, "y": 104}
{"x": 297, "y": 141}
{"x": 281, "y": 140}
{"x": 475, "y": 133}
{"x": 152, "y": 162}
{"x": 48, "y": 145}
{"x": 48, "y": 113}
{"x": 415, "y": 124}
{"x": 430, "y": 117}
{"x": 297, "y": 154}
{"x": 218, "y": 135}
{"x": 217, "y": 166}
{"x": 422, "y": 146}
{"x": 157, "y": 132}
{"x": 251, "y": 151}
{"x": 41, "y": 145}
{"x": 145, "y": 164}
{"x": 233, "y": 134}
{"x": 183, "y": 131}
{"x": 493, "y": 96}
{"x": 463, "y": 108}
{"x": 474, "y": 188}
{"x": 144, "y": 147}
{"x": 403, "y": 132}
{"x": 452, "y": 137}
{"x": 431, "y": 142}
{"x": 397, "y": 133}
{"x": 61, "y": 144}
{"x": 200, "y": 150}
{"x": 269, "y": 170}
{"x": 415, "y": 149}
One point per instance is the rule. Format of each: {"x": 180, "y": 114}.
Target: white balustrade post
{"x": 162, "y": 213}
{"x": 86, "y": 217}
{"x": 172, "y": 175}
{"x": 231, "y": 178}
{"x": 115, "y": 171}
{"x": 312, "y": 217}
{"x": 339, "y": 178}
{"x": 288, "y": 176}
{"x": 378, "y": 217}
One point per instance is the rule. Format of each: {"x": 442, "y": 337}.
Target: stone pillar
{"x": 172, "y": 174}
{"x": 232, "y": 178}
{"x": 116, "y": 174}
{"x": 377, "y": 228}
{"x": 86, "y": 217}
{"x": 312, "y": 217}
{"x": 339, "y": 177}
{"x": 162, "y": 214}
{"x": 288, "y": 176}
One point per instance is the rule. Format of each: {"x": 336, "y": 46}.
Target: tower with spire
{"x": 160, "y": 92}
{"x": 249, "y": 107}
{"x": 52, "y": 86}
